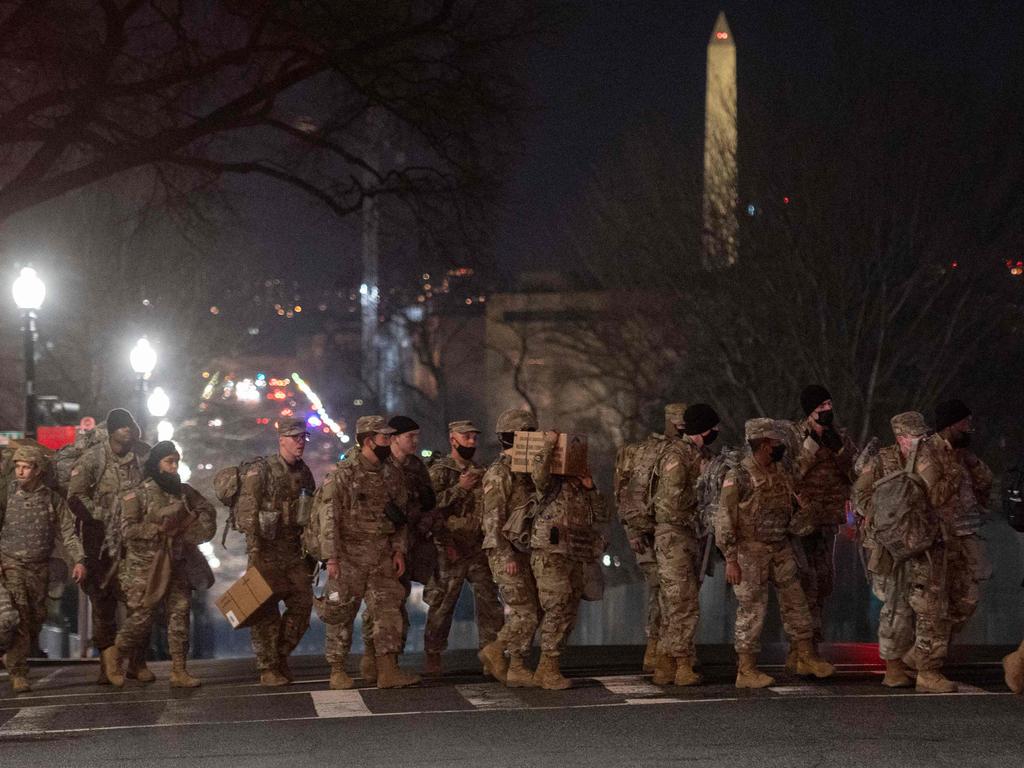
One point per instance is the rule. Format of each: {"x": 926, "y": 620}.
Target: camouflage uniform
{"x": 910, "y": 591}
{"x": 823, "y": 480}
{"x": 266, "y": 514}
{"x": 419, "y": 508}
{"x": 503, "y": 492}
{"x": 144, "y": 508}
{"x": 563, "y": 543}
{"x": 751, "y": 529}
{"x": 98, "y": 480}
{"x": 460, "y": 558}
{"x": 31, "y": 523}
{"x": 676, "y": 546}
{"x": 359, "y": 535}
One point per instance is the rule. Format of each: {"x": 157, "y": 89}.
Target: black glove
{"x": 831, "y": 440}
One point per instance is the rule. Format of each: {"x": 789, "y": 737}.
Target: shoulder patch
{"x": 671, "y": 464}
{"x": 728, "y": 482}
{"x": 252, "y": 471}
{"x": 75, "y": 471}
{"x": 130, "y": 495}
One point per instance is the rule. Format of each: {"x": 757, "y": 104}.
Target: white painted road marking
{"x": 339, "y": 704}
{"x": 30, "y": 720}
{"x": 630, "y": 686}
{"x": 490, "y": 696}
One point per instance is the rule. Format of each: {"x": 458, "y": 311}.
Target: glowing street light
{"x": 143, "y": 360}
{"x": 164, "y": 430}
{"x": 29, "y": 293}
{"x": 158, "y": 403}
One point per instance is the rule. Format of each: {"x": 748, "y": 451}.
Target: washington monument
{"x": 720, "y": 230}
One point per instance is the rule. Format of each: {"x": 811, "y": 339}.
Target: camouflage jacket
{"x": 31, "y": 522}
{"x": 268, "y": 502}
{"x": 824, "y": 476}
{"x": 569, "y": 516}
{"x": 99, "y": 477}
{"x": 675, "y": 495}
{"x": 756, "y": 506}
{"x": 420, "y": 496}
{"x": 504, "y": 490}
{"x": 357, "y": 492}
{"x": 938, "y": 466}
{"x": 637, "y": 519}
{"x": 461, "y": 510}
{"x": 147, "y": 504}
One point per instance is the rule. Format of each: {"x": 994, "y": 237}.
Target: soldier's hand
{"x": 551, "y": 437}
{"x": 468, "y": 480}
{"x": 733, "y": 573}
{"x": 78, "y": 573}
{"x": 398, "y": 559}
{"x": 333, "y": 568}
{"x": 512, "y": 568}
{"x": 588, "y": 481}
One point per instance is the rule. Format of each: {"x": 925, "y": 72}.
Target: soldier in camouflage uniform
{"x": 638, "y": 520}
{"x": 564, "y": 542}
{"x": 460, "y": 555}
{"x": 967, "y": 564}
{"x": 505, "y": 492}
{"x": 913, "y": 627}
{"x": 421, "y": 558}
{"x": 751, "y": 529}
{"x": 824, "y": 475}
{"x": 163, "y": 521}
{"x": 676, "y": 544}
{"x": 267, "y": 513}
{"x": 365, "y": 540}
{"x": 33, "y": 518}
{"x": 99, "y": 478}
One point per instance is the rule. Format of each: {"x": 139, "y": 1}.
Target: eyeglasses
{"x": 303, "y": 438}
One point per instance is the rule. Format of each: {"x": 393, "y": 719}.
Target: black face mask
{"x": 465, "y": 451}
{"x": 169, "y": 482}
{"x": 778, "y": 452}
{"x": 710, "y": 437}
{"x": 960, "y": 440}
{"x": 825, "y": 418}
{"x": 382, "y": 452}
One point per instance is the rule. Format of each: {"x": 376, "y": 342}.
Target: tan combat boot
{"x": 19, "y": 684}
{"x": 389, "y": 675}
{"x": 650, "y": 655}
{"x": 808, "y": 662}
{"x": 180, "y": 678}
{"x": 748, "y": 675}
{"x": 137, "y": 669}
{"x": 664, "y": 670}
{"x": 791, "y": 659}
{"x": 432, "y": 665}
{"x": 368, "y": 664}
{"x": 548, "y": 675}
{"x": 685, "y": 674}
{"x": 492, "y": 656}
{"x": 519, "y": 675}
{"x": 284, "y": 669}
{"x": 340, "y": 680}
{"x": 271, "y": 678}
{"x": 933, "y": 681}
{"x": 110, "y": 658}
{"x": 896, "y": 674}
{"x": 1013, "y": 670}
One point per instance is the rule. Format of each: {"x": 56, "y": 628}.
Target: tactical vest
{"x": 367, "y": 492}
{"x": 766, "y": 508}
{"x": 566, "y": 524}
{"x": 29, "y": 526}
{"x": 282, "y": 486}
{"x": 826, "y": 487}
{"x": 495, "y": 515}
{"x": 118, "y": 474}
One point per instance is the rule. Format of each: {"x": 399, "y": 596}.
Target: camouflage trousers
{"x": 27, "y": 585}
{"x": 649, "y": 568}
{"x": 442, "y": 595}
{"x": 818, "y": 577}
{"x": 966, "y": 567}
{"x": 275, "y": 634}
{"x": 677, "y": 550}
{"x": 914, "y": 614}
{"x": 369, "y": 622}
{"x": 367, "y": 572}
{"x": 763, "y": 565}
{"x": 519, "y": 593}
{"x": 559, "y": 590}
{"x": 103, "y": 601}
{"x": 137, "y": 629}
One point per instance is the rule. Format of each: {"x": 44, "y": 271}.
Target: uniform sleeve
{"x": 942, "y": 478}
{"x": 425, "y": 488}
{"x": 726, "y": 519}
{"x": 66, "y": 526}
{"x": 598, "y": 506}
{"x": 250, "y": 499}
{"x": 204, "y": 527}
{"x": 135, "y": 521}
{"x": 332, "y": 511}
{"x": 981, "y": 481}
{"x": 83, "y": 480}
{"x": 863, "y": 485}
{"x": 497, "y": 492}
{"x": 449, "y": 495}
{"x": 676, "y": 490}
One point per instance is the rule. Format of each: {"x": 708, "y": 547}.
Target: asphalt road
{"x": 612, "y": 716}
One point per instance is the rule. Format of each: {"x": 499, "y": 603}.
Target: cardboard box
{"x": 568, "y": 458}
{"x": 244, "y": 597}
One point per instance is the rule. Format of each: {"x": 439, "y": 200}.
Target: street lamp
{"x": 29, "y": 292}
{"x": 143, "y": 361}
{"x": 158, "y": 403}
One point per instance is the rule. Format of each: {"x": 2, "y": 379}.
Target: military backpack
{"x": 227, "y": 486}
{"x": 901, "y": 519}
{"x": 636, "y": 477}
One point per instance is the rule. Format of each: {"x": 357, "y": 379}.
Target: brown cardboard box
{"x": 568, "y": 458}
{"x": 243, "y": 597}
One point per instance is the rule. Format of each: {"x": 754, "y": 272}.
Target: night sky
{"x": 617, "y": 63}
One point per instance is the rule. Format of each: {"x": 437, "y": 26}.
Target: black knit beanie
{"x": 118, "y": 418}
{"x": 813, "y": 396}
{"x": 699, "y": 418}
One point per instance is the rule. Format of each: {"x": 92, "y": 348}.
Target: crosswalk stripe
{"x": 490, "y": 696}
{"x": 799, "y": 690}
{"x": 630, "y": 686}
{"x": 30, "y": 720}
{"x": 339, "y": 704}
